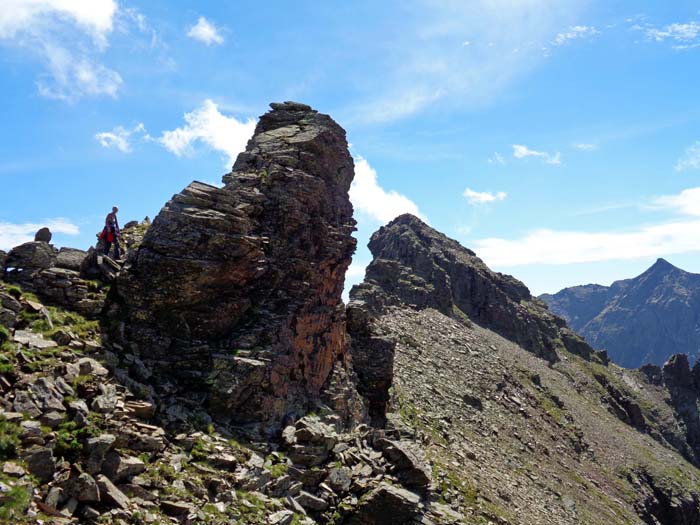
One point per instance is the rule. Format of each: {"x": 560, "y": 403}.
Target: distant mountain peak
{"x": 644, "y": 319}
{"x": 663, "y": 265}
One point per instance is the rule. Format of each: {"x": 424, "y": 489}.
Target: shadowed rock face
{"x": 235, "y": 292}
{"x": 417, "y": 266}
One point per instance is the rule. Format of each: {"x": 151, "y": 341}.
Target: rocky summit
{"x": 646, "y": 319}
{"x": 234, "y": 296}
{"x": 415, "y": 265}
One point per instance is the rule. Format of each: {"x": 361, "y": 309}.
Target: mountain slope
{"x": 521, "y": 439}
{"x": 641, "y": 320}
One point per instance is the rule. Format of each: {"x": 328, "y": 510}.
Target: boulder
{"x": 118, "y": 468}
{"x": 235, "y": 292}
{"x": 96, "y": 449}
{"x": 406, "y": 459}
{"x": 40, "y": 463}
{"x": 70, "y": 258}
{"x": 340, "y": 479}
{"x": 176, "y": 508}
{"x": 30, "y": 256}
{"x": 110, "y": 494}
{"x": 9, "y": 309}
{"x": 84, "y": 488}
{"x": 387, "y": 505}
{"x": 311, "y": 502}
{"x": 43, "y": 235}
{"x": 24, "y": 404}
{"x": 90, "y": 367}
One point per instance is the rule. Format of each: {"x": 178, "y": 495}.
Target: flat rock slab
{"x": 32, "y": 340}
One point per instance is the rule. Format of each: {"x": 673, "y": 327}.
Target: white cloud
{"x": 12, "y": 234}
{"x": 568, "y": 247}
{"x": 205, "y": 32}
{"x": 119, "y": 137}
{"x": 66, "y": 35}
{"x": 498, "y": 159}
{"x": 683, "y": 35}
{"x": 686, "y": 202}
{"x": 546, "y": 246}
{"x": 485, "y": 197}
{"x": 208, "y": 125}
{"x": 94, "y": 16}
{"x": 582, "y": 146}
{"x": 691, "y": 158}
{"x": 372, "y": 200}
{"x": 574, "y": 33}
{"x": 522, "y": 152}
{"x": 70, "y": 78}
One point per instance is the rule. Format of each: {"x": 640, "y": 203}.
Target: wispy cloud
{"x": 587, "y": 147}
{"x": 483, "y": 197}
{"x": 691, "y": 159}
{"x": 547, "y": 246}
{"x": 373, "y": 201}
{"x": 67, "y": 37}
{"x": 205, "y": 32}
{"x": 209, "y": 126}
{"x": 497, "y": 159}
{"x": 522, "y": 152}
{"x": 574, "y": 33}
{"x": 426, "y": 64}
{"x": 120, "y": 138}
{"x": 14, "y": 234}
{"x": 682, "y": 36}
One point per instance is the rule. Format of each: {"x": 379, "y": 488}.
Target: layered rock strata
{"x": 234, "y": 295}
{"x": 414, "y": 265}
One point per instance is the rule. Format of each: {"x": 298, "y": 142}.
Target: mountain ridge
{"x": 645, "y": 319}
{"x": 216, "y": 376}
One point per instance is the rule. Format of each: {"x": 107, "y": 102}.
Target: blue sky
{"x": 559, "y": 139}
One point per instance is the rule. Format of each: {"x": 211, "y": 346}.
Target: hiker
{"x": 110, "y": 234}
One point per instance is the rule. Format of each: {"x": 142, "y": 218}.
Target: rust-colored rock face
{"x": 235, "y": 292}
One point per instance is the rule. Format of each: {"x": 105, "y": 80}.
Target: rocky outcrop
{"x": 642, "y": 320}
{"x": 683, "y": 385}
{"x": 415, "y": 265}
{"x": 53, "y": 275}
{"x": 665, "y": 502}
{"x": 234, "y": 295}
{"x": 28, "y": 257}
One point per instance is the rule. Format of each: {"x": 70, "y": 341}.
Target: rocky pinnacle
{"x": 235, "y": 293}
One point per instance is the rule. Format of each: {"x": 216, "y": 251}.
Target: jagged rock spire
{"x": 235, "y": 293}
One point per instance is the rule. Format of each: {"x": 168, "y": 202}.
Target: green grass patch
{"x": 9, "y": 439}
{"x": 15, "y": 503}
